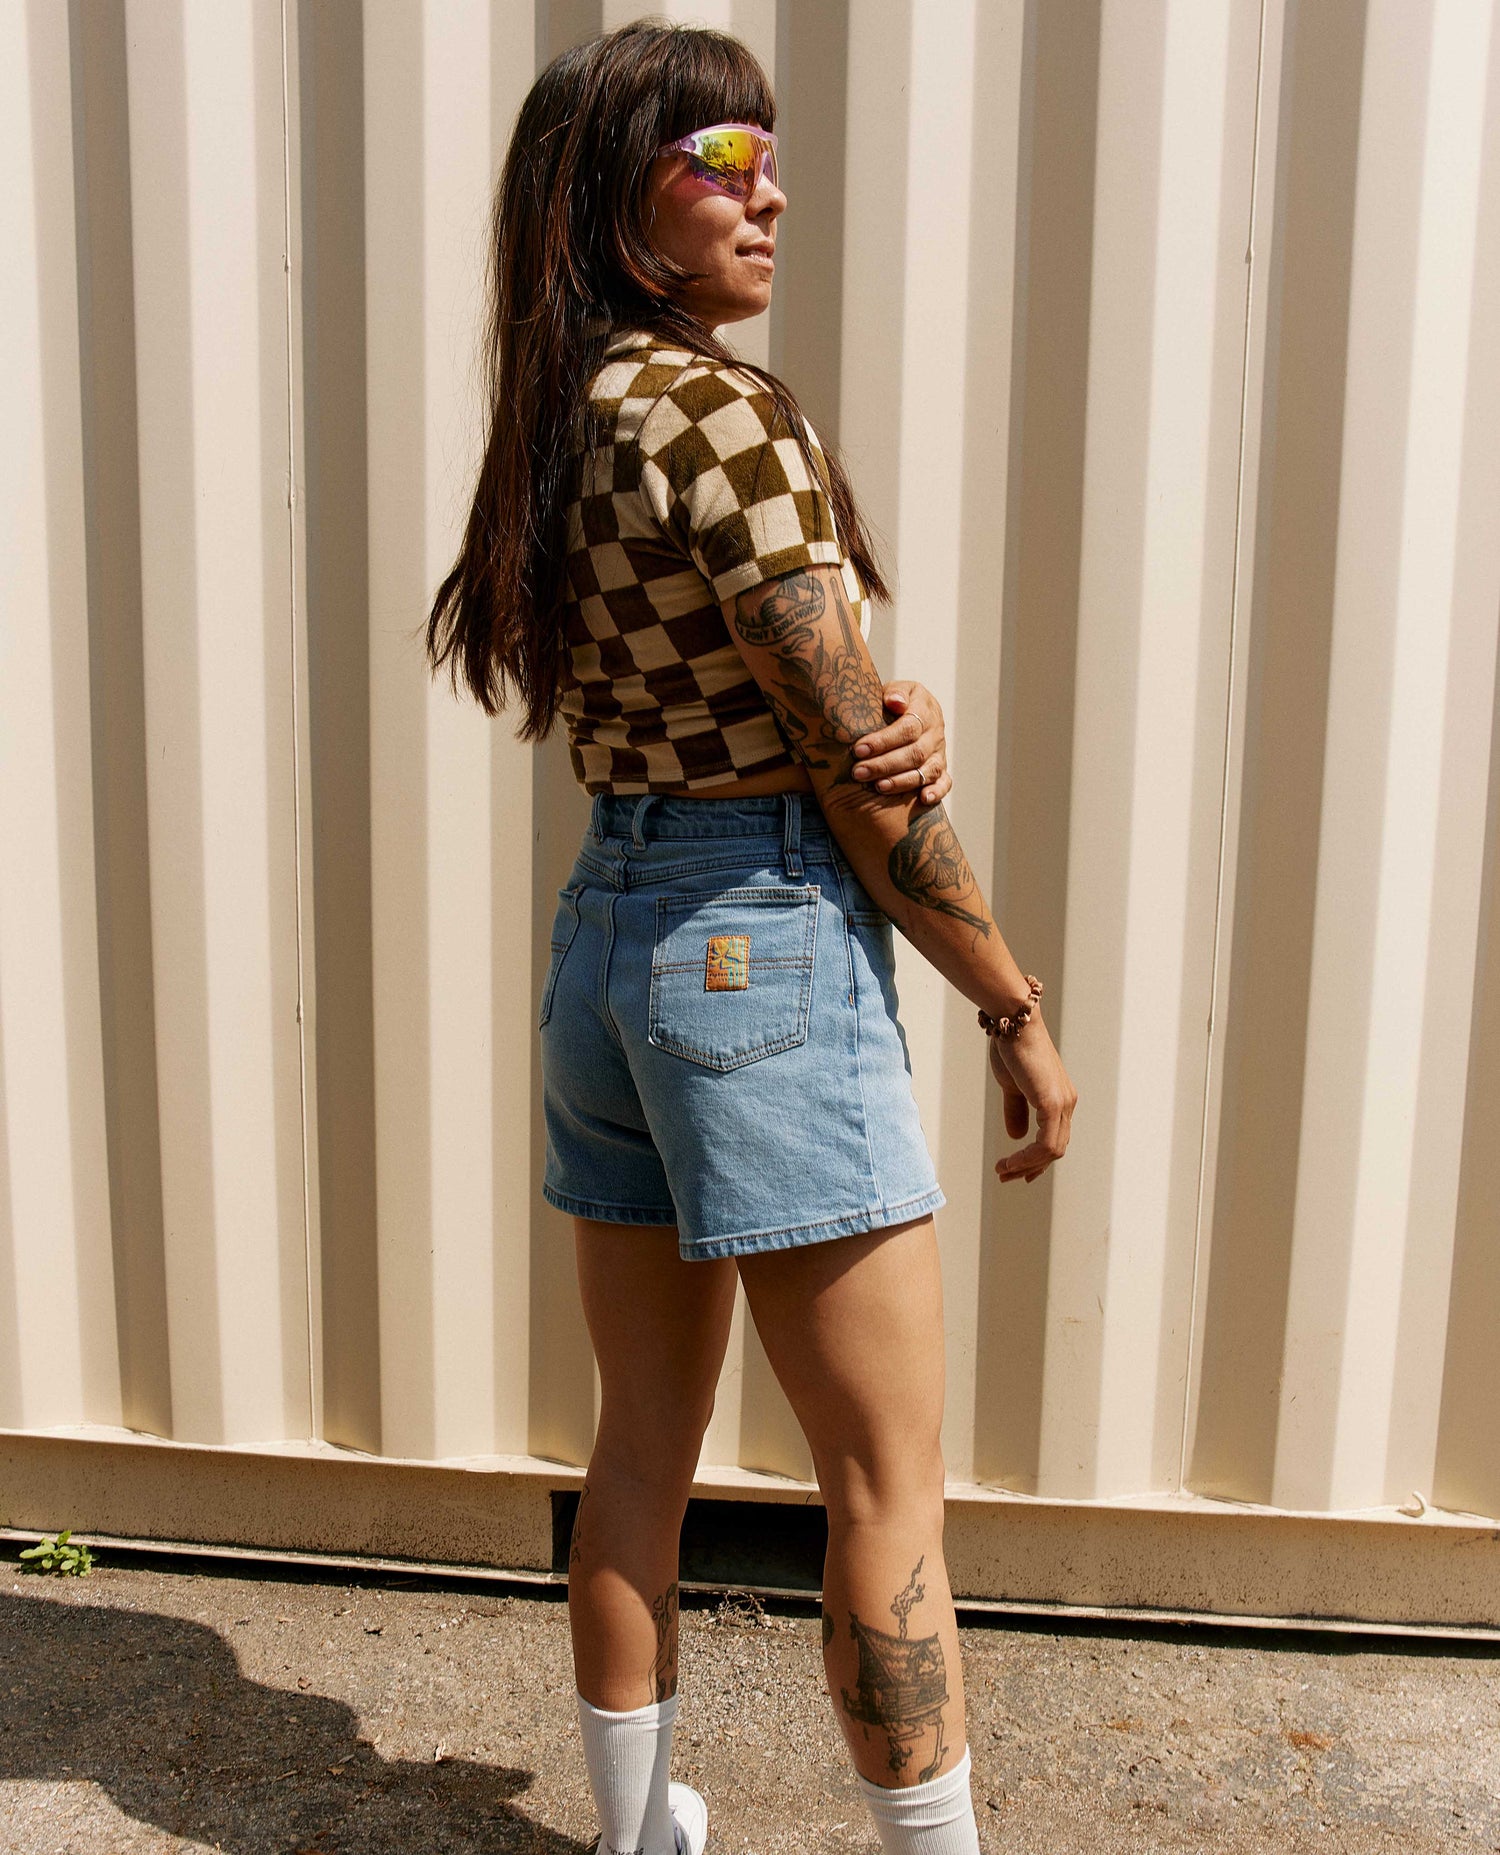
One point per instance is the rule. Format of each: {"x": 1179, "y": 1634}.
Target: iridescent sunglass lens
{"x": 730, "y": 158}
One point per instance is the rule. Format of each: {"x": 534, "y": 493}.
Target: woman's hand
{"x": 909, "y": 752}
{"x": 1031, "y": 1075}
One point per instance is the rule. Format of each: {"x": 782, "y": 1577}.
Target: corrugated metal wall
{"x": 1163, "y": 341}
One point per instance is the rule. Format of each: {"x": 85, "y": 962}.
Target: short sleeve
{"x": 741, "y": 502}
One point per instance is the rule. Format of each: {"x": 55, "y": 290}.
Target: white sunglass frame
{"x": 766, "y": 164}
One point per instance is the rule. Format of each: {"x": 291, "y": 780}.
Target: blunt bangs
{"x": 718, "y": 84}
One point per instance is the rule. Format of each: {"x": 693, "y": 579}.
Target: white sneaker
{"x": 689, "y": 1818}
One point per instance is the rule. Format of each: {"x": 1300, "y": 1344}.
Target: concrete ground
{"x": 151, "y": 1707}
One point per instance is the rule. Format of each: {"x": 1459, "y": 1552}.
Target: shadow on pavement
{"x": 157, "y": 1712}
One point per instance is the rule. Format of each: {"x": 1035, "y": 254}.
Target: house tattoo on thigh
{"x": 902, "y": 1684}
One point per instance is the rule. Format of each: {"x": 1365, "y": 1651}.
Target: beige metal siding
{"x": 1163, "y": 342}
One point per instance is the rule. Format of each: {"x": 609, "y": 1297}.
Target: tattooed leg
{"x": 664, "y": 1668}
{"x": 575, "y": 1549}
{"x": 902, "y": 1685}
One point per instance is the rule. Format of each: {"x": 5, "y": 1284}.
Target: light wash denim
{"x": 720, "y": 1044}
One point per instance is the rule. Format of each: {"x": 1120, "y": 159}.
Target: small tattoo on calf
{"x": 575, "y": 1551}
{"x": 902, "y": 1684}
{"x": 664, "y": 1668}
{"x": 827, "y": 1628}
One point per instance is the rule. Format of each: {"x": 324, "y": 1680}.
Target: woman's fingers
{"x": 895, "y": 748}
{"x": 1054, "y": 1127}
{"x": 930, "y": 777}
{"x": 909, "y": 754}
{"x": 1051, "y": 1097}
{"x": 1028, "y": 1164}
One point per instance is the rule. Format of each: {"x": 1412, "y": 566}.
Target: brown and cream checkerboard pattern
{"x": 685, "y": 499}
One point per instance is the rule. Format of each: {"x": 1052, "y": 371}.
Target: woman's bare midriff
{"x": 779, "y": 779}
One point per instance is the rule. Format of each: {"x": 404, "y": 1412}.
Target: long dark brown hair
{"x": 570, "y": 262}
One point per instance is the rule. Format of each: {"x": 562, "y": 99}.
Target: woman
{"x": 661, "y": 550}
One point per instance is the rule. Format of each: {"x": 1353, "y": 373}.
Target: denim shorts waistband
{"x": 650, "y": 815}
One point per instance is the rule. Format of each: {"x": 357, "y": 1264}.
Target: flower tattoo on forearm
{"x": 929, "y": 867}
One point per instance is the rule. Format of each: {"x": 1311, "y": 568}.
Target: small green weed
{"x": 58, "y": 1557}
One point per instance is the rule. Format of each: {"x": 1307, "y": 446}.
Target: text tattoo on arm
{"x": 796, "y": 603}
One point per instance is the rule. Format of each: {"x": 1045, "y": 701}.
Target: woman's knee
{"x": 656, "y": 1457}
{"x": 902, "y": 1484}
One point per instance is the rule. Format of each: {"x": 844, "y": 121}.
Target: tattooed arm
{"x": 799, "y": 637}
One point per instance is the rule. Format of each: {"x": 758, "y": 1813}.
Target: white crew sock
{"x": 935, "y": 1818}
{"x": 628, "y": 1756}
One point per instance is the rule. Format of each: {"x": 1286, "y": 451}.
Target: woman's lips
{"x": 761, "y": 257}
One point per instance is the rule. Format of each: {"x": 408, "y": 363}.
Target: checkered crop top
{"x": 684, "y": 500}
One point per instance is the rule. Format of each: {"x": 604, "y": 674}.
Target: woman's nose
{"x": 767, "y": 198}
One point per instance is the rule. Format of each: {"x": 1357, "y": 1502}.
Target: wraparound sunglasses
{"x": 729, "y": 155}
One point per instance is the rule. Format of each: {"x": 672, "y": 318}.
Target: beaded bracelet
{"x": 1011, "y": 1026}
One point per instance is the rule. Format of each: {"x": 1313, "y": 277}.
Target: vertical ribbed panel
{"x": 208, "y": 232}
{"x": 58, "y": 1356}
{"x": 1351, "y": 1065}
{"x": 450, "y": 838}
{"x": 1163, "y": 342}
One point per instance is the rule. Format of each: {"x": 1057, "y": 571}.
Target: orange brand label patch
{"x": 728, "y": 968}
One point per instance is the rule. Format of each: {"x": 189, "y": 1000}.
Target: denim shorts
{"x": 720, "y": 1044}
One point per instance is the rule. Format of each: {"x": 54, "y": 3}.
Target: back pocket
{"x": 732, "y": 973}
{"x": 564, "y": 927}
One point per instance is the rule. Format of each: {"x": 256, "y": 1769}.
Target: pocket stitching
{"x": 805, "y": 896}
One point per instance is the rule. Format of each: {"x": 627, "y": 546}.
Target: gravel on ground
{"x": 151, "y": 1707}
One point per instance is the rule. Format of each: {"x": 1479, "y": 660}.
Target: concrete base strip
{"x": 1161, "y": 1557}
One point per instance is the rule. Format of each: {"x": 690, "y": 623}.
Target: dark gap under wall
{"x": 738, "y": 1543}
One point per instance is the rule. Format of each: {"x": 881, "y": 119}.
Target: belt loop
{"x": 791, "y": 842}
{"x": 642, "y": 806}
{"x": 596, "y": 819}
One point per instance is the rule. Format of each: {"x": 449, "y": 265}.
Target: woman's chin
{"x": 741, "y": 309}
